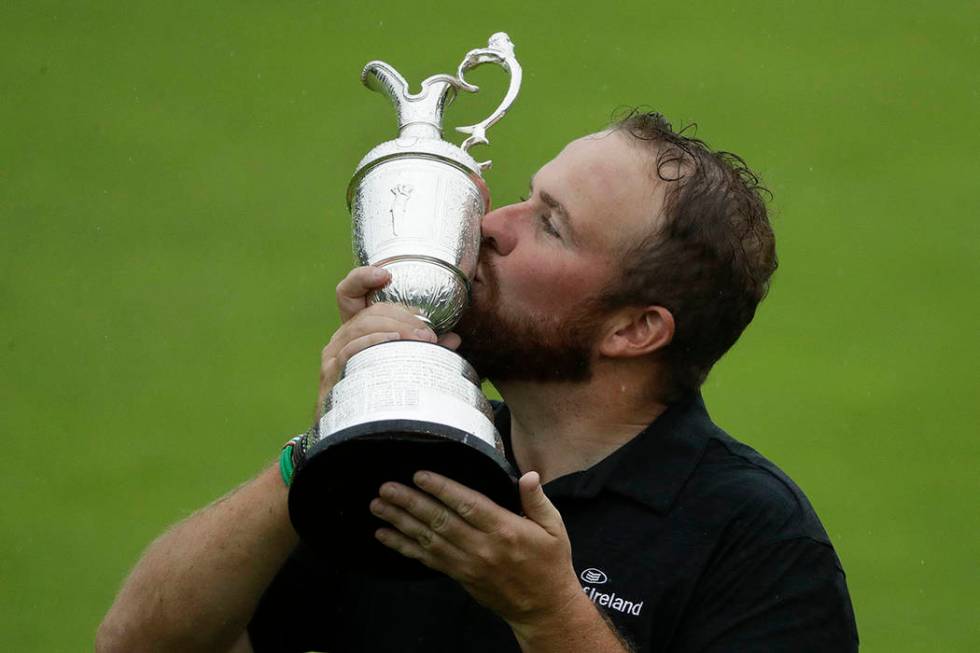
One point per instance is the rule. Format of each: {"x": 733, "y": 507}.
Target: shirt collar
{"x": 651, "y": 468}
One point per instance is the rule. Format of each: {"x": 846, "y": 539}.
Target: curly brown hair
{"x": 710, "y": 259}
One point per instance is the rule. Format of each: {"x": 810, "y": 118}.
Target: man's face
{"x": 535, "y": 313}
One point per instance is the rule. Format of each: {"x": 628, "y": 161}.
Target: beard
{"x": 507, "y": 347}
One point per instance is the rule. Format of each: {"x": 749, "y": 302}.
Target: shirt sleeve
{"x": 787, "y": 596}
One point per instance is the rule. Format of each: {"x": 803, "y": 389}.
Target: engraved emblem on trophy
{"x": 416, "y": 203}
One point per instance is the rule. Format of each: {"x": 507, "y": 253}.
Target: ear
{"x": 638, "y": 331}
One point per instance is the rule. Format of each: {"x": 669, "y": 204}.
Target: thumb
{"x": 450, "y": 340}
{"x": 537, "y": 506}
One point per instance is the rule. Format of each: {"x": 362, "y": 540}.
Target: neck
{"x": 561, "y": 428}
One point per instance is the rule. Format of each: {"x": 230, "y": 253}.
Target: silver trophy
{"x": 416, "y": 203}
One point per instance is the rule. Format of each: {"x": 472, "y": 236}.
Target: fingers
{"x": 537, "y": 506}
{"x": 378, "y": 331}
{"x": 410, "y": 549}
{"x": 473, "y": 507}
{"x": 377, "y": 319}
{"x": 436, "y": 516}
{"x": 353, "y": 290}
{"x": 360, "y": 344}
{"x": 419, "y": 518}
{"x": 386, "y": 317}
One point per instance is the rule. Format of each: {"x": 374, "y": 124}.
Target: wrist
{"x": 276, "y": 501}
{"x": 572, "y": 613}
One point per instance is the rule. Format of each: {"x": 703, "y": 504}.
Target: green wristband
{"x": 286, "y": 469}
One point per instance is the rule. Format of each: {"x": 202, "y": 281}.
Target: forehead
{"x": 604, "y": 181}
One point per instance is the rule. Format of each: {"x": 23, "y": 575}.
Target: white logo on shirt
{"x": 594, "y": 576}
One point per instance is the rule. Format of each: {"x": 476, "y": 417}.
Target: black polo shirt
{"x": 685, "y": 538}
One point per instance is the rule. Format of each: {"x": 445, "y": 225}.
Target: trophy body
{"x": 416, "y": 204}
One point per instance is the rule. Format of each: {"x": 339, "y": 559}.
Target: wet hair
{"x": 711, "y": 255}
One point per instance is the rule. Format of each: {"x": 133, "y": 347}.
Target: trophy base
{"x": 331, "y": 492}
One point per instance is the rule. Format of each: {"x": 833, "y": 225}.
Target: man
{"x": 600, "y": 303}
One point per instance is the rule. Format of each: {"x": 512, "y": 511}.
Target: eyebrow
{"x": 559, "y": 210}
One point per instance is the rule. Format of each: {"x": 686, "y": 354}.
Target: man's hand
{"x": 365, "y": 325}
{"x": 518, "y": 567}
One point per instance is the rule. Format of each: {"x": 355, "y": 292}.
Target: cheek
{"x": 548, "y": 288}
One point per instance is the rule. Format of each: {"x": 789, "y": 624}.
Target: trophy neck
{"x": 420, "y": 130}
{"x": 419, "y": 114}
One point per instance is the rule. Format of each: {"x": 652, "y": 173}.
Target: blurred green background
{"x": 172, "y": 181}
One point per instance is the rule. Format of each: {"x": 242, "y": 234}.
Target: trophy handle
{"x": 500, "y": 51}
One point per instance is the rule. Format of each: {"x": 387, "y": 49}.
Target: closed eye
{"x": 545, "y": 222}
{"x": 548, "y": 227}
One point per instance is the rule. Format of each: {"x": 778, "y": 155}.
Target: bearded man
{"x": 600, "y": 303}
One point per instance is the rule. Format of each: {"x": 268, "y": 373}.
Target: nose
{"x": 499, "y": 229}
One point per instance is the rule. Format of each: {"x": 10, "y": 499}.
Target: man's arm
{"x": 197, "y": 585}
